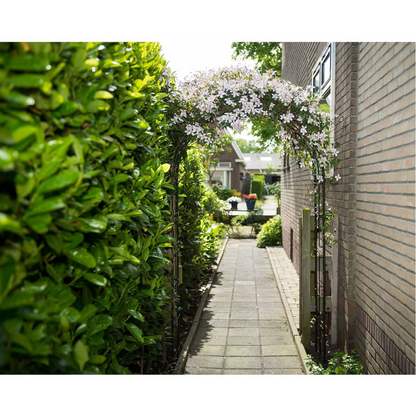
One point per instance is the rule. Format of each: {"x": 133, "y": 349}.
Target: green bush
{"x": 83, "y": 210}
{"x": 340, "y": 363}
{"x": 198, "y": 234}
{"x": 275, "y": 189}
{"x": 257, "y": 184}
{"x": 270, "y": 233}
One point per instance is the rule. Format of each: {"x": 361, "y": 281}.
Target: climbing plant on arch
{"x": 203, "y": 107}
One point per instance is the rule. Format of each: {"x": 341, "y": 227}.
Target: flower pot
{"x": 234, "y": 204}
{"x": 250, "y": 204}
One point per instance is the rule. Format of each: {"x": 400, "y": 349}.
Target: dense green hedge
{"x": 256, "y": 185}
{"x": 83, "y": 215}
{"x": 198, "y": 234}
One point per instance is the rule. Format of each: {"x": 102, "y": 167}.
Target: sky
{"x": 186, "y": 56}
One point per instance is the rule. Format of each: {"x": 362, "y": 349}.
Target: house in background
{"x": 371, "y": 89}
{"x": 270, "y": 164}
{"x": 230, "y": 170}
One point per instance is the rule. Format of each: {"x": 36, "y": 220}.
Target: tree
{"x": 248, "y": 146}
{"x": 267, "y": 55}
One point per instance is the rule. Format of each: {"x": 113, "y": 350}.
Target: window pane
{"x": 326, "y": 69}
{"x": 316, "y": 82}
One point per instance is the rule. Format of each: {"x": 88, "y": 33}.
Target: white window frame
{"x": 329, "y": 85}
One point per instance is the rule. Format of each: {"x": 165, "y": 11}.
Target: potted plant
{"x": 250, "y": 201}
{"x": 234, "y": 200}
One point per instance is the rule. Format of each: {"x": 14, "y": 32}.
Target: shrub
{"x": 275, "y": 190}
{"x": 198, "y": 234}
{"x": 234, "y": 192}
{"x": 270, "y": 233}
{"x": 256, "y": 187}
{"x": 340, "y": 363}
{"x": 84, "y": 213}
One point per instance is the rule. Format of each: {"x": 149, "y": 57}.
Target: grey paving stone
{"x": 282, "y": 362}
{"x": 273, "y": 316}
{"x": 278, "y": 350}
{"x": 274, "y": 323}
{"x": 242, "y": 362}
{"x": 215, "y": 315}
{"x": 274, "y": 332}
{"x": 203, "y": 371}
{"x": 283, "y": 371}
{"x": 211, "y": 332}
{"x": 253, "y": 340}
{"x": 244, "y": 323}
{"x": 242, "y": 351}
{"x": 276, "y": 340}
{"x": 214, "y": 323}
{"x": 252, "y": 315}
{"x": 241, "y": 372}
{"x": 243, "y": 332}
{"x": 204, "y": 361}
{"x": 205, "y": 349}
{"x": 199, "y": 341}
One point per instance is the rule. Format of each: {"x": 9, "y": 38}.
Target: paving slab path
{"x": 244, "y": 329}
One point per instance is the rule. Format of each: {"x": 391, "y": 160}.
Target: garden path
{"x": 244, "y": 329}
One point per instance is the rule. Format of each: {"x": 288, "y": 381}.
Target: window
{"x": 322, "y": 75}
{"x": 323, "y": 82}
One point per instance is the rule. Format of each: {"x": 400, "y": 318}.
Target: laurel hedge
{"x": 83, "y": 207}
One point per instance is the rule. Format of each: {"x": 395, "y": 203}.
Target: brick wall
{"x": 375, "y": 201}
{"x": 342, "y": 196}
{"x": 385, "y": 225}
{"x": 299, "y": 58}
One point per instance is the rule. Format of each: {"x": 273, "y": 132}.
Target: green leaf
{"x": 92, "y": 225}
{"x": 128, "y": 113}
{"x": 16, "y": 300}
{"x": 97, "y": 105}
{"x": 96, "y": 279}
{"x": 7, "y": 158}
{"x": 20, "y": 339}
{"x": 136, "y": 314}
{"x": 59, "y": 181}
{"x": 7, "y": 224}
{"x": 88, "y": 312}
{"x": 26, "y": 80}
{"x": 135, "y": 331}
{"x": 103, "y": 95}
{"x": 72, "y": 314}
{"x": 24, "y": 132}
{"x": 39, "y": 223}
{"x": 26, "y": 188}
{"x": 81, "y": 256}
{"x": 98, "y": 324}
{"x": 27, "y": 63}
{"x": 80, "y": 354}
{"x": 166, "y": 167}
{"x": 48, "y": 169}
{"x": 42, "y": 206}
{"x": 122, "y": 252}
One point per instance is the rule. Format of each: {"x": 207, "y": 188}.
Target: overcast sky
{"x": 187, "y": 56}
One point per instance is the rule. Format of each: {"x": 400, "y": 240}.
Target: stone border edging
{"x": 292, "y": 325}
{"x": 183, "y": 356}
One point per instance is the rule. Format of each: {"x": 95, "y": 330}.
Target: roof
{"x": 261, "y": 161}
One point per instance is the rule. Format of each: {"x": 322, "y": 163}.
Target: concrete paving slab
{"x": 278, "y": 350}
{"x": 243, "y": 351}
{"x": 242, "y": 363}
{"x": 244, "y": 329}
